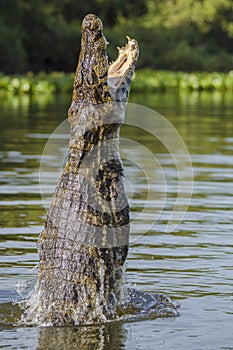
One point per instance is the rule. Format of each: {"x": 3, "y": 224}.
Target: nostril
{"x": 92, "y": 23}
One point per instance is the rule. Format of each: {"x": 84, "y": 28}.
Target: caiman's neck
{"x": 90, "y": 83}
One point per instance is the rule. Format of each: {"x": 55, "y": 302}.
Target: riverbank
{"x": 145, "y": 80}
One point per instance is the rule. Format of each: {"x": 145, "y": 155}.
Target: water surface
{"x": 192, "y": 264}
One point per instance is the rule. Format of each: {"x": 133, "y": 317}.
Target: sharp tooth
{"x": 128, "y": 38}
{"x": 118, "y": 48}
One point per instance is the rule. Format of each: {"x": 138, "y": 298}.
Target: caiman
{"x": 84, "y": 243}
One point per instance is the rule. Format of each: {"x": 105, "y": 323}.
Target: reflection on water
{"x": 192, "y": 263}
{"x": 99, "y": 337}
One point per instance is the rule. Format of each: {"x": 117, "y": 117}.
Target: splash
{"x": 146, "y": 305}
{"x": 134, "y": 306}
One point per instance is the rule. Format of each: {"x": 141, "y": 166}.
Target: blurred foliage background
{"x": 186, "y": 35}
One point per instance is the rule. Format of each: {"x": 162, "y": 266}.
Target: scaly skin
{"x": 85, "y": 239}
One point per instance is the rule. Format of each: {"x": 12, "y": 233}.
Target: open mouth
{"x": 127, "y": 56}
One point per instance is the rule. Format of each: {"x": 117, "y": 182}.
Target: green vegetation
{"x": 182, "y": 35}
{"x": 144, "y": 80}
{"x": 41, "y": 83}
{"x": 150, "y": 80}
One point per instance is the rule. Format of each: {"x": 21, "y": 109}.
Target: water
{"x": 192, "y": 264}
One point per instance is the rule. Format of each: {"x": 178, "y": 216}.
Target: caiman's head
{"x": 96, "y": 81}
